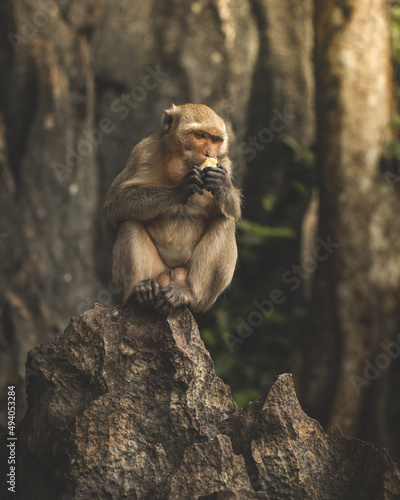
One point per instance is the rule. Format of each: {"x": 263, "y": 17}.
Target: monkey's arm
{"x": 213, "y": 263}
{"x": 138, "y": 203}
{"x": 218, "y": 182}
{"x": 229, "y": 200}
{"x": 128, "y": 201}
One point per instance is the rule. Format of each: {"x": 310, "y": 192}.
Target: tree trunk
{"x": 283, "y": 86}
{"x": 357, "y": 286}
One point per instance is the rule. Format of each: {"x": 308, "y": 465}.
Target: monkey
{"x": 170, "y": 223}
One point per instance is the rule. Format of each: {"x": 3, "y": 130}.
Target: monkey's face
{"x": 203, "y": 144}
{"x": 199, "y": 143}
{"x": 195, "y": 132}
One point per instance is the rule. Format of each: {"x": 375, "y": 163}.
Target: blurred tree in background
{"x": 309, "y": 112}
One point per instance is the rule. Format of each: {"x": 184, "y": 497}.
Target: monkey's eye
{"x": 216, "y": 139}
{"x": 199, "y": 135}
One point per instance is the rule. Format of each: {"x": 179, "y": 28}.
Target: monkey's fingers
{"x": 196, "y": 179}
{"x": 193, "y": 178}
{"x": 214, "y": 179}
{"x": 194, "y": 182}
{"x": 214, "y": 183}
{"x": 197, "y": 189}
{"x": 146, "y": 292}
{"x": 213, "y": 173}
{"x": 194, "y": 171}
{"x": 191, "y": 183}
{"x": 153, "y": 291}
{"x": 215, "y": 190}
{"x": 172, "y": 297}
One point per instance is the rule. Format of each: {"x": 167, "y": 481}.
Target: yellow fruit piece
{"x": 210, "y": 162}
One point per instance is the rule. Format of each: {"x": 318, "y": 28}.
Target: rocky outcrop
{"x": 126, "y": 404}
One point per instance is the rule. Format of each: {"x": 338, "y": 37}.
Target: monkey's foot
{"x": 173, "y": 297}
{"x": 145, "y": 292}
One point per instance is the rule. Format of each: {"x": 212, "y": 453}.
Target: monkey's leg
{"x": 213, "y": 263}
{"x": 212, "y": 266}
{"x": 136, "y": 263}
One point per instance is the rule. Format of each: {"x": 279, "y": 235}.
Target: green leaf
{"x": 301, "y": 154}
{"x": 245, "y": 396}
{"x": 261, "y": 230}
{"x": 269, "y": 202}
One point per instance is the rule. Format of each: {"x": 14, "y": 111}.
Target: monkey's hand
{"x": 190, "y": 184}
{"x": 216, "y": 179}
{"x": 172, "y": 297}
{"x": 145, "y": 292}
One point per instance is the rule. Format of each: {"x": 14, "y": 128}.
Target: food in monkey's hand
{"x": 214, "y": 176}
{"x": 210, "y": 162}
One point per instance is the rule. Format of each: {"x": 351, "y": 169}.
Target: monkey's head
{"x": 195, "y": 132}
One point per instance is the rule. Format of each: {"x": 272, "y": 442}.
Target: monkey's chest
{"x": 177, "y": 237}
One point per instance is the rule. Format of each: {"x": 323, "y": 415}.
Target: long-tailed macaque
{"x": 172, "y": 223}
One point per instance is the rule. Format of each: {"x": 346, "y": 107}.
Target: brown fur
{"x": 173, "y": 246}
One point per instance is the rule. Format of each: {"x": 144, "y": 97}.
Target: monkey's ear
{"x": 168, "y": 118}
{"x": 167, "y": 121}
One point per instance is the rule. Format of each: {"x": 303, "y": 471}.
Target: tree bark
{"x": 357, "y": 287}
{"x": 283, "y": 86}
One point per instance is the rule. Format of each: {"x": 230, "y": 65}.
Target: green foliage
{"x": 269, "y": 202}
{"x": 301, "y": 156}
{"x": 395, "y": 36}
{"x": 390, "y": 162}
{"x": 250, "y": 229}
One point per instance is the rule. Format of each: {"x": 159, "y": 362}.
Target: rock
{"x": 126, "y": 404}
{"x": 240, "y": 494}
{"x": 213, "y": 460}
